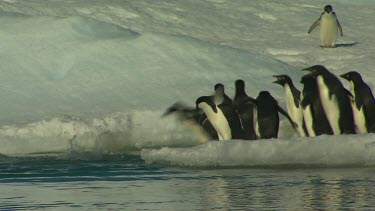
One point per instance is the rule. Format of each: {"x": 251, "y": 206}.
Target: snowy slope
{"x": 90, "y": 75}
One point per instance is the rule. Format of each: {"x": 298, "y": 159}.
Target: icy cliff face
{"x": 77, "y": 66}
{"x": 78, "y": 69}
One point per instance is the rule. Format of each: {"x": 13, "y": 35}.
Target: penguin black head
{"x": 282, "y": 79}
{"x": 317, "y": 70}
{"x": 219, "y": 89}
{"x": 264, "y": 94}
{"x": 307, "y": 79}
{"x": 351, "y": 76}
{"x": 202, "y": 99}
{"x": 240, "y": 86}
{"x": 328, "y": 8}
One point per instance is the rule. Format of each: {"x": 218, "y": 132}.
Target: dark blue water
{"x": 125, "y": 182}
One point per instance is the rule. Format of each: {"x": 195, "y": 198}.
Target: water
{"x": 125, "y": 182}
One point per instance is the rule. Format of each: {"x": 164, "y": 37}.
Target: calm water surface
{"x": 125, "y": 182}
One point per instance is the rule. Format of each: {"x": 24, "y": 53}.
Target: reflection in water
{"x": 118, "y": 183}
{"x": 335, "y": 192}
{"x": 291, "y": 190}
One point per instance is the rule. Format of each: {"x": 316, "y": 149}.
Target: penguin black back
{"x": 245, "y": 105}
{"x": 267, "y": 115}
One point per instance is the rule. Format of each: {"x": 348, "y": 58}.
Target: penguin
{"x": 363, "y": 104}
{"x": 292, "y": 99}
{"x": 329, "y": 25}
{"x": 313, "y": 113}
{"x": 221, "y": 114}
{"x": 245, "y": 105}
{"x": 335, "y": 100}
{"x": 267, "y": 116}
{"x": 195, "y": 119}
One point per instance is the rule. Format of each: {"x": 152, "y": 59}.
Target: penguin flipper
{"x": 305, "y": 101}
{"x": 348, "y": 93}
{"x": 214, "y": 108}
{"x": 283, "y": 112}
{"x": 315, "y": 24}
{"x": 339, "y": 26}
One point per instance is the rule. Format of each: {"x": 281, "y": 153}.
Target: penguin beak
{"x": 345, "y": 76}
{"x": 307, "y": 69}
{"x": 278, "y": 79}
{"x": 311, "y": 70}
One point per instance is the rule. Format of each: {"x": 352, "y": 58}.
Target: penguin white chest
{"x": 308, "y": 118}
{"x": 328, "y": 29}
{"x": 255, "y": 122}
{"x": 294, "y": 112}
{"x": 218, "y": 121}
{"x": 358, "y": 114}
{"x": 330, "y": 105}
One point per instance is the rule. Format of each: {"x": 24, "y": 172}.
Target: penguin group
{"x": 324, "y": 106}
{"x": 244, "y": 117}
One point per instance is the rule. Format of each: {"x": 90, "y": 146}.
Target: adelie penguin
{"x": 314, "y": 117}
{"x": 329, "y": 27}
{"x": 245, "y": 107}
{"x": 194, "y": 118}
{"x": 221, "y": 114}
{"x": 363, "y": 104}
{"x": 292, "y": 100}
{"x": 335, "y": 100}
{"x": 267, "y": 116}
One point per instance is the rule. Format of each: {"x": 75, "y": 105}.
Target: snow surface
{"x": 96, "y": 76}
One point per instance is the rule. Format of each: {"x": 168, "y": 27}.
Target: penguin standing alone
{"x": 363, "y": 104}
{"x": 245, "y": 107}
{"x": 329, "y": 25}
{"x": 335, "y": 100}
{"x": 292, "y": 100}
{"x": 313, "y": 113}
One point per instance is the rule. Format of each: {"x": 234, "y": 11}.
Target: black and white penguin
{"x": 194, "y": 118}
{"x": 335, "y": 100}
{"x": 313, "y": 113}
{"x": 329, "y": 27}
{"x": 363, "y": 104}
{"x": 292, "y": 100}
{"x": 266, "y": 119}
{"x": 245, "y": 106}
{"x": 221, "y": 114}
